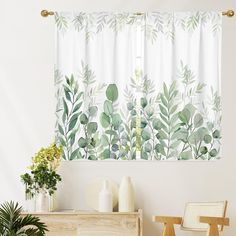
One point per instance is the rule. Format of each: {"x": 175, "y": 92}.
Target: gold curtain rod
{"x": 46, "y": 13}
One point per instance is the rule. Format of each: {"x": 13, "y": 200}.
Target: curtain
{"x": 138, "y": 87}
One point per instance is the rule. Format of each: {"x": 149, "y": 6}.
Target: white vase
{"x": 105, "y": 198}
{"x": 126, "y": 196}
{"x": 30, "y": 204}
{"x": 53, "y": 206}
{"x": 43, "y": 202}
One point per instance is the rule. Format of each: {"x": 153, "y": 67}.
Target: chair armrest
{"x": 169, "y": 222}
{"x": 214, "y": 220}
{"x": 213, "y": 223}
{"x": 168, "y": 219}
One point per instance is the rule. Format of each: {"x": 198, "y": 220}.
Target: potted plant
{"x": 12, "y": 223}
{"x": 42, "y": 181}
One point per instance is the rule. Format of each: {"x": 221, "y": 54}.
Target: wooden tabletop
{"x": 78, "y": 212}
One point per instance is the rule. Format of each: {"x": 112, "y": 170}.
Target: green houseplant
{"x": 42, "y": 180}
{"x": 13, "y": 224}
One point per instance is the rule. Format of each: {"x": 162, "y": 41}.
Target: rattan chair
{"x": 198, "y": 216}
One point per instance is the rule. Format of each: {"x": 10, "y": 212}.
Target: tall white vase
{"x": 105, "y": 198}
{"x": 30, "y": 204}
{"x": 53, "y": 204}
{"x": 43, "y": 202}
{"x": 126, "y": 196}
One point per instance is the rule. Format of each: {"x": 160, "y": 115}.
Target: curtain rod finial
{"x": 229, "y": 13}
{"x": 46, "y": 13}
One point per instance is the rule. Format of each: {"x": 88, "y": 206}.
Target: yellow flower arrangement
{"x": 49, "y": 157}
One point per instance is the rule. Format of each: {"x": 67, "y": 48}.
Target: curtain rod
{"x": 46, "y": 13}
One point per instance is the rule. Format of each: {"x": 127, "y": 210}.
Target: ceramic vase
{"x": 126, "y": 195}
{"x": 42, "y": 202}
{"x": 30, "y": 203}
{"x": 105, "y": 198}
{"x": 53, "y": 204}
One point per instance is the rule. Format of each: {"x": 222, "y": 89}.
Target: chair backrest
{"x": 193, "y": 210}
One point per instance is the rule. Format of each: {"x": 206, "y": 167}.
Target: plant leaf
{"x": 105, "y": 120}
{"x": 104, "y": 140}
{"x": 148, "y": 147}
{"x": 116, "y": 120}
{"x": 185, "y": 115}
{"x": 162, "y": 135}
{"x": 145, "y": 135}
{"x": 163, "y": 100}
{"x": 92, "y": 127}
{"x": 112, "y": 92}
{"x": 186, "y": 155}
{"x": 74, "y": 154}
{"x": 160, "y": 149}
{"x": 77, "y": 107}
{"x": 72, "y": 138}
{"x": 191, "y": 108}
{"x": 67, "y": 95}
{"x": 65, "y": 107}
{"x": 207, "y": 138}
{"x": 163, "y": 110}
{"x": 108, "y": 108}
{"x": 106, "y": 154}
{"x": 143, "y": 102}
{"x": 62, "y": 141}
{"x": 82, "y": 142}
{"x": 72, "y": 124}
{"x": 166, "y": 93}
{"x": 83, "y": 119}
{"x": 198, "y": 120}
{"x": 173, "y": 109}
{"x": 110, "y": 132}
{"x": 93, "y": 110}
{"x": 157, "y": 124}
{"x": 60, "y": 129}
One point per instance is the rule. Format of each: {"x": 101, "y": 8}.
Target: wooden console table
{"x": 79, "y": 223}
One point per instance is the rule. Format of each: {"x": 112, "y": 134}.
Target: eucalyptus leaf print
{"x": 110, "y": 121}
{"x": 90, "y": 140}
{"x": 148, "y": 132}
{"x": 172, "y": 122}
{"x": 130, "y": 139}
{"x": 143, "y": 113}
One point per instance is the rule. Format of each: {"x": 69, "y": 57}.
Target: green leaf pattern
{"x": 168, "y": 123}
{"x": 153, "y": 24}
{"x": 69, "y": 113}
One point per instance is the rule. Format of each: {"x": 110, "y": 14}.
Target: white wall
{"x": 27, "y": 114}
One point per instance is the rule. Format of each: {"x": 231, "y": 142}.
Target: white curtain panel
{"x": 138, "y": 87}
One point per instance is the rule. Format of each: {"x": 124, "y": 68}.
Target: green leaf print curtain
{"x": 138, "y": 87}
